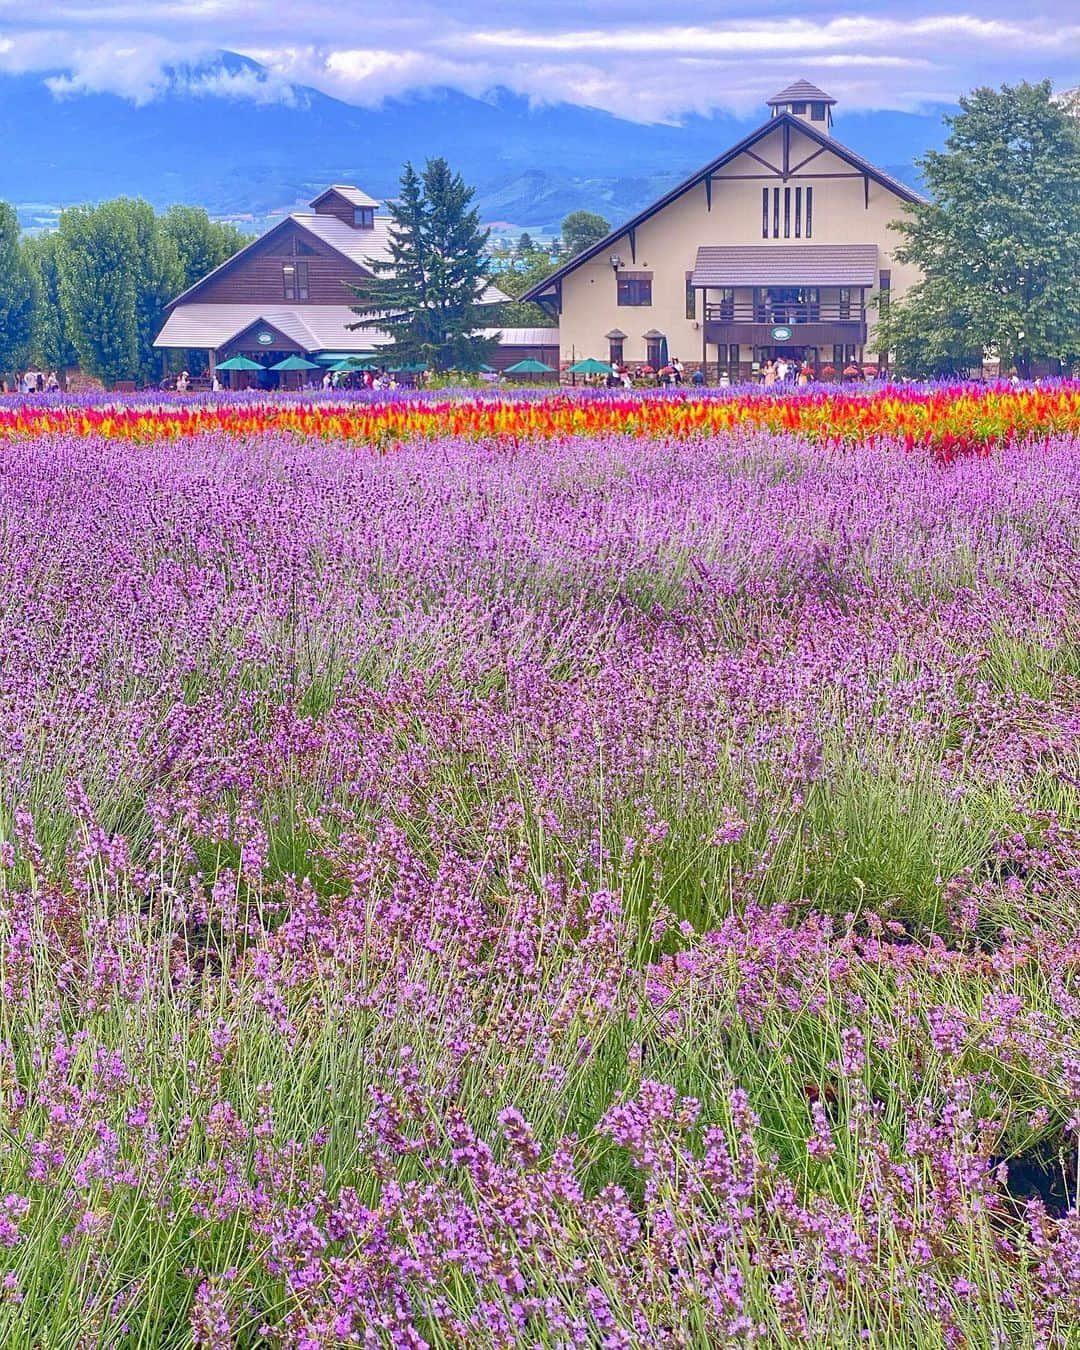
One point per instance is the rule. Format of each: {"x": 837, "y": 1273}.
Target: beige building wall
{"x": 667, "y": 244}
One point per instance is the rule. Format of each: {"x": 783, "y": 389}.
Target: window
{"x": 845, "y": 302}
{"x": 725, "y": 309}
{"x": 770, "y": 218}
{"x": 691, "y": 297}
{"x": 817, "y": 112}
{"x": 884, "y": 293}
{"x": 799, "y": 108}
{"x": 652, "y": 351}
{"x": 615, "y": 351}
{"x": 364, "y": 217}
{"x": 809, "y": 212}
{"x": 634, "y": 290}
{"x": 294, "y": 281}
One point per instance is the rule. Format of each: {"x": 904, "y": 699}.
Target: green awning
{"x": 590, "y": 366}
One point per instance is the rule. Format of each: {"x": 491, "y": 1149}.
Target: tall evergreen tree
{"x": 53, "y": 346}
{"x": 426, "y": 295}
{"x": 18, "y": 294}
{"x": 999, "y": 244}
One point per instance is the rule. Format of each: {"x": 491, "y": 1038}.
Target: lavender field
{"x": 602, "y": 893}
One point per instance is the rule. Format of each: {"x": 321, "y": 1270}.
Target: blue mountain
{"x": 258, "y": 154}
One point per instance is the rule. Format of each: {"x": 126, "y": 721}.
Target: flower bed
{"x": 567, "y": 897}
{"x": 952, "y": 420}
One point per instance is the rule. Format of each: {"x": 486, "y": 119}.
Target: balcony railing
{"x": 780, "y": 311}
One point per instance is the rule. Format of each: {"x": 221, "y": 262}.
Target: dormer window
{"x": 364, "y": 217}
{"x": 799, "y": 109}
{"x": 817, "y": 111}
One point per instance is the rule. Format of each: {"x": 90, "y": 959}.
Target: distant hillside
{"x": 244, "y": 157}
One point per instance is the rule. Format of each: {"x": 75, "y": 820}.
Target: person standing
{"x": 768, "y": 375}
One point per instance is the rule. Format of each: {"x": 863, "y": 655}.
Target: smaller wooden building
{"x": 287, "y": 293}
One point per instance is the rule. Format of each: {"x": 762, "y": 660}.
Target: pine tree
{"x": 999, "y": 244}
{"x": 426, "y": 295}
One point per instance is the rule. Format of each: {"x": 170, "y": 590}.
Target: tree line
{"x": 93, "y": 292}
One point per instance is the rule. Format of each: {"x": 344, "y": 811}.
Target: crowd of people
{"x": 33, "y": 382}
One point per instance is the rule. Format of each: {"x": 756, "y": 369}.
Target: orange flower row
{"x": 952, "y": 420}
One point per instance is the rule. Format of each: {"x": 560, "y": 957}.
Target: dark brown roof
{"x": 786, "y": 265}
{"x": 802, "y": 91}
{"x": 616, "y": 335}
{"x": 805, "y": 128}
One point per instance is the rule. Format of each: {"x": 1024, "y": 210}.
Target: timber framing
{"x": 549, "y": 289}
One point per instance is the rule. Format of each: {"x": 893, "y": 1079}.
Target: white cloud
{"x": 631, "y": 57}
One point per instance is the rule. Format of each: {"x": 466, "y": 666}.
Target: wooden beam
{"x": 802, "y": 162}
{"x": 708, "y": 192}
{"x": 765, "y": 164}
{"x": 866, "y": 191}
{"x": 632, "y": 237}
{"x": 787, "y": 149}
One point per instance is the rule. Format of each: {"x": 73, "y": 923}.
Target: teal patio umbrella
{"x": 296, "y": 363}
{"x": 529, "y": 367}
{"x": 238, "y": 363}
{"x": 590, "y": 366}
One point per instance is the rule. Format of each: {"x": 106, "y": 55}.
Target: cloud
{"x": 631, "y": 57}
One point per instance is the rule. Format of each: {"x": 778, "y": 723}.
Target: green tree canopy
{"x": 581, "y": 229}
{"x": 516, "y": 313}
{"x": 118, "y": 269}
{"x": 18, "y": 294}
{"x": 426, "y": 295}
{"x": 999, "y": 244}
{"x": 201, "y": 243}
{"x": 53, "y": 346}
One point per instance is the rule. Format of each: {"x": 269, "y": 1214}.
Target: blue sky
{"x": 638, "y": 58}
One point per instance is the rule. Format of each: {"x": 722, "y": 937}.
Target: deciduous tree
{"x": 118, "y": 270}
{"x": 53, "y": 346}
{"x": 18, "y": 294}
{"x": 581, "y": 229}
{"x": 999, "y": 244}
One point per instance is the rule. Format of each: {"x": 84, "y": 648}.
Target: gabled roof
{"x": 802, "y": 91}
{"x": 342, "y": 239}
{"x": 804, "y": 128}
{"x": 352, "y": 195}
{"x": 357, "y": 246}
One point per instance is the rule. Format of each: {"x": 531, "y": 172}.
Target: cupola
{"x": 806, "y": 102}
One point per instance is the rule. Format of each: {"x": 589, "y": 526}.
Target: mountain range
{"x": 253, "y": 157}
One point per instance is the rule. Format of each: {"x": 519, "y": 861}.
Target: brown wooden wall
{"x": 333, "y": 205}
{"x": 509, "y": 356}
{"x": 256, "y": 277}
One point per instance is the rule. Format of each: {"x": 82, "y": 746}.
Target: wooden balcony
{"x": 780, "y": 323}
